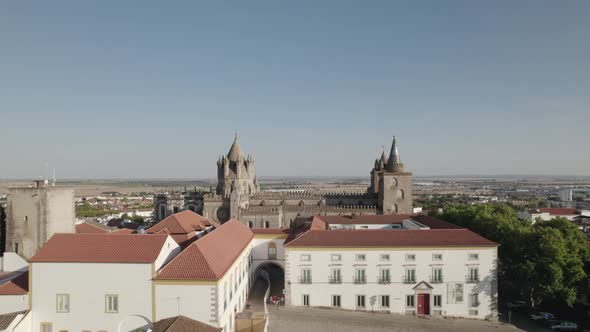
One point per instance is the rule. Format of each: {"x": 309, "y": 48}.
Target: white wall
{"x": 13, "y": 303}
{"x": 13, "y": 262}
{"x": 87, "y": 284}
{"x": 260, "y": 251}
{"x": 454, "y": 264}
{"x": 169, "y": 250}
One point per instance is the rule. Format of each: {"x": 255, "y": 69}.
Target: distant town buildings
{"x": 238, "y": 195}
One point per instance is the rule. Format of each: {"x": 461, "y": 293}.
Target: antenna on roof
{"x": 46, "y": 173}
{"x": 53, "y": 177}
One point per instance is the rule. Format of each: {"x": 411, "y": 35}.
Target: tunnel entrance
{"x": 276, "y": 278}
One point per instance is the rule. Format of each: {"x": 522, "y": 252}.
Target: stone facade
{"x": 238, "y": 195}
{"x": 34, "y": 214}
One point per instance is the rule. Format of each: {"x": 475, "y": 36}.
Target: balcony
{"x": 384, "y": 280}
{"x": 303, "y": 280}
{"x": 357, "y": 280}
{"x": 334, "y": 280}
{"x": 436, "y": 280}
{"x": 472, "y": 279}
{"x": 409, "y": 279}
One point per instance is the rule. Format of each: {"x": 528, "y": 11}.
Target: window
{"x": 360, "y": 257}
{"x": 62, "y": 302}
{"x": 384, "y": 276}
{"x": 360, "y": 301}
{"x": 306, "y": 300}
{"x": 473, "y": 275}
{"x": 250, "y": 225}
{"x": 364, "y": 227}
{"x": 437, "y": 300}
{"x": 15, "y": 247}
{"x": 410, "y": 257}
{"x": 336, "y": 257}
{"x": 266, "y": 224}
{"x": 473, "y": 300}
{"x": 305, "y": 257}
{"x": 360, "y": 276}
{"x": 437, "y": 275}
{"x": 384, "y": 257}
{"x": 111, "y": 303}
{"x": 46, "y": 327}
{"x": 409, "y": 301}
{"x": 437, "y": 257}
{"x": 473, "y": 256}
{"x": 458, "y": 293}
{"x": 272, "y": 250}
{"x": 336, "y": 300}
{"x": 410, "y": 275}
{"x": 306, "y": 276}
{"x": 384, "y": 301}
{"x": 335, "y": 276}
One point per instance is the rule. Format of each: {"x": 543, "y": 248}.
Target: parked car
{"x": 539, "y": 315}
{"x": 565, "y": 326}
{"x": 550, "y": 322}
{"x": 516, "y": 305}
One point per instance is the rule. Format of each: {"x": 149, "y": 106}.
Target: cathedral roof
{"x": 235, "y": 151}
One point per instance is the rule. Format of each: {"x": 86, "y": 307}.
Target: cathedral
{"x": 238, "y": 195}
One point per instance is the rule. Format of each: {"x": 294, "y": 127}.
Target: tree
{"x": 549, "y": 260}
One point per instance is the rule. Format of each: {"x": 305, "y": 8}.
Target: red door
{"x": 423, "y": 304}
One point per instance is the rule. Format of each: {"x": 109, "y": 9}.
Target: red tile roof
{"x": 560, "y": 211}
{"x": 211, "y": 256}
{"x": 434, "y": 223}
{"x": 101, "y": 248}
{"x": 18, "y": 285}
{"x": 123, "y": 231}
{"x": 277, "y": 231}
{"x": 390, "y": 238}
{"x": 182, "y": 223}
{"x": 86, "y": 228}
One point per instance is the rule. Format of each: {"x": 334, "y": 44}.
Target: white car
{"x": 565, "y": 326}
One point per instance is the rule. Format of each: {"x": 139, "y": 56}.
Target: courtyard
{"x": 291, "y": 319}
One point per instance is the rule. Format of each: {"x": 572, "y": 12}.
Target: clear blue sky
{"x": 118, "y": 89}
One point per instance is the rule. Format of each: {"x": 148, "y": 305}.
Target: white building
{"x": 399, "y": 263}
{"x": 436, "y": 269}
{"x": 98, "y": 282}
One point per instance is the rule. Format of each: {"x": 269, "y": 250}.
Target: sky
{"x": 146, "y": 89}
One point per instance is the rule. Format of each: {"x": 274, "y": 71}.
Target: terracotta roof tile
{"x": 123, "y": 231}
{"x": 86, "y": 228}
{"x": 182, "y": 324}
{"x": 278, "y": 231}
{"x": 101, "y": 248}
{"x": 390, "y": 238}
{"x": 209, "y": 257}
{"x": 18, "y": 285}
{"x": 182, "y": 223}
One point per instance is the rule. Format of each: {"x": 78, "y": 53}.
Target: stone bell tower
{"x": 236, "y": 172}
{"x": 392, "y": 183}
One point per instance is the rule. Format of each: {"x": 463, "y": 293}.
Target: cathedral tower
{"x": 392, "y": 183}
{"x": 236, "y": 172}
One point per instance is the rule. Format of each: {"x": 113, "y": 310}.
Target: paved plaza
{"x": 286, "y": 319}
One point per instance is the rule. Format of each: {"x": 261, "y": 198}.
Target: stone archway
{"x": 274, "y": 272}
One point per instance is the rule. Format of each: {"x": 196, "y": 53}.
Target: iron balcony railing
{"x": 334, "y": 280}
{"x": 436, "y": 279}
{"x": 303, "y": 280}
{"x": 359, "y": 280}
{"x": 409, "y": 279}
{"x": 384, "y": 280}
{"x": 471, "y": 279}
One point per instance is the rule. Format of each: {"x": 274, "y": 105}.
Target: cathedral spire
{"x": 235, "y": 152}
{"x": 394, "y": 163}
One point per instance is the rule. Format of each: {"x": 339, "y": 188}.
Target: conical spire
{"x": 383, "y": 157}
{"x": 394, "y": 163}
{"x": 235, "y": 152}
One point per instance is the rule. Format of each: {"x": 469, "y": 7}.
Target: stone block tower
{"x": 391, "y": 183}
